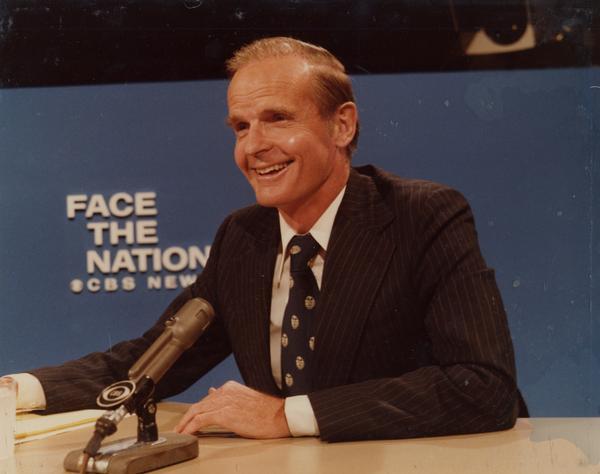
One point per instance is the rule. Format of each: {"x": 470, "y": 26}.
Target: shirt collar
{"x": 321, "y": 230}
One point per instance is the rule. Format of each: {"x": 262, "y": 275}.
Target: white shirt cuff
{"x": 300, "y": 416}
{"x": 30, "y": 395}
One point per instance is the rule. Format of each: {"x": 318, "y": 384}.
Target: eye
{"x": 240, "y": 127}
{"x": 279, "y": 116}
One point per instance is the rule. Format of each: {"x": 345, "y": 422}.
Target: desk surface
{"x": 536, "y": 445}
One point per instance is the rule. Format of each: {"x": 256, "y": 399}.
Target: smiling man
{"x": 294, "y": 155}
{"x": 357, "y": 303}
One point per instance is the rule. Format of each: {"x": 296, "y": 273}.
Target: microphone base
{"x": 128, "y": 456}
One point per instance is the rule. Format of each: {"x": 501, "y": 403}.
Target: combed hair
{"x": 332, "y": 86}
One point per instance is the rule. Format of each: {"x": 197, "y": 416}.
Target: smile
{"x": 271, "y": 170}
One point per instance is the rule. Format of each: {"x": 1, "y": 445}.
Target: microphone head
{"x": 182, "y": 330}
{"x": 191, "y": 320}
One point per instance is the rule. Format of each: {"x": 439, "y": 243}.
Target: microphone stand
{"x": 147, "y": 452}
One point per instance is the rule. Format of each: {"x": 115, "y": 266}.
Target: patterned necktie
{"x": 297, "y": 341}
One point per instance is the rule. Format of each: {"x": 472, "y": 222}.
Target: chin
{"x": 266, "y": 201}
{"x": 269, "y": 201}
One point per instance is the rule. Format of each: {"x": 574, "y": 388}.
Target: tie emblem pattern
{"x": 297, "y": 340}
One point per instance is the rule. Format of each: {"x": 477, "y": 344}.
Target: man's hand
{"x": 239, "y": 409}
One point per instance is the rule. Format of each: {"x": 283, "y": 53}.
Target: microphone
{"x": 182, "y": 330}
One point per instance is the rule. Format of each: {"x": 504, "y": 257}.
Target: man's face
{"x": 287, "y": 151}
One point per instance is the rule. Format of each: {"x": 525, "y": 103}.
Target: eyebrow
{"x": 279, "y": 110}
{"x": 229, "y": 121}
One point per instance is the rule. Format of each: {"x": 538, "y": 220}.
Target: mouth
{"x": 272, "y": 170}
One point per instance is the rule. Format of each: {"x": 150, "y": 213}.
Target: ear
{"x": 345, "y": 120}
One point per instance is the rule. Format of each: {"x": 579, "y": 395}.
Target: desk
{"x": 537, "y": 445}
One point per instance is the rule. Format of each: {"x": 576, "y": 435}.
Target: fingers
{"x": 185, "y": 419}
{"x": 202, "y": 420}
{"x": 193, "y": 411}
{"x": 213, "y": 401}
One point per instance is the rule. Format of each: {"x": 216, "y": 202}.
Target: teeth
{"x": 272, "y": 168}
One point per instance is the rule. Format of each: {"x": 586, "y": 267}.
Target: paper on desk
{"x": 31, "y": 426}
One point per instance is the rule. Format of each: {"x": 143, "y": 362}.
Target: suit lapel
{"x": 357, "y": 258}
{"x": 358, "y": 254}
{"x": 257, "y": 279}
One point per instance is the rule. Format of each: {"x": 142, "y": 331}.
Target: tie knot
{"x": 302, "y": 248}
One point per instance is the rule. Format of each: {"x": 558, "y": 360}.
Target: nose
{"x": 256, "y": 140}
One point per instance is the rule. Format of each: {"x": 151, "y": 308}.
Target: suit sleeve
{"x": 75, "y": 384}
{"x": 471, "y": 386}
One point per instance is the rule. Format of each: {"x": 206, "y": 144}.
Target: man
{"x": 400, "y": 331}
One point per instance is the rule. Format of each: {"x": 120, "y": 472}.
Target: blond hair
{"x": 331, "y": 84}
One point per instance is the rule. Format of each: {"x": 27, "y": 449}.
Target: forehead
{"x": 269, "y": 82}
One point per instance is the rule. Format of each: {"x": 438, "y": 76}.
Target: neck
{"x": 303, "y": 217}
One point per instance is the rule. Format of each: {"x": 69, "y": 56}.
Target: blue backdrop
{"x": 522, "y": 146}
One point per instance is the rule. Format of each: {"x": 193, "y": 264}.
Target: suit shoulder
{"x": 254, "y": 220}
{"x": 248, "y": 213}
{"x": 410, "y": 193}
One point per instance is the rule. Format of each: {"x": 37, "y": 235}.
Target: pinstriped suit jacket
{"x": 411, "y": 335}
